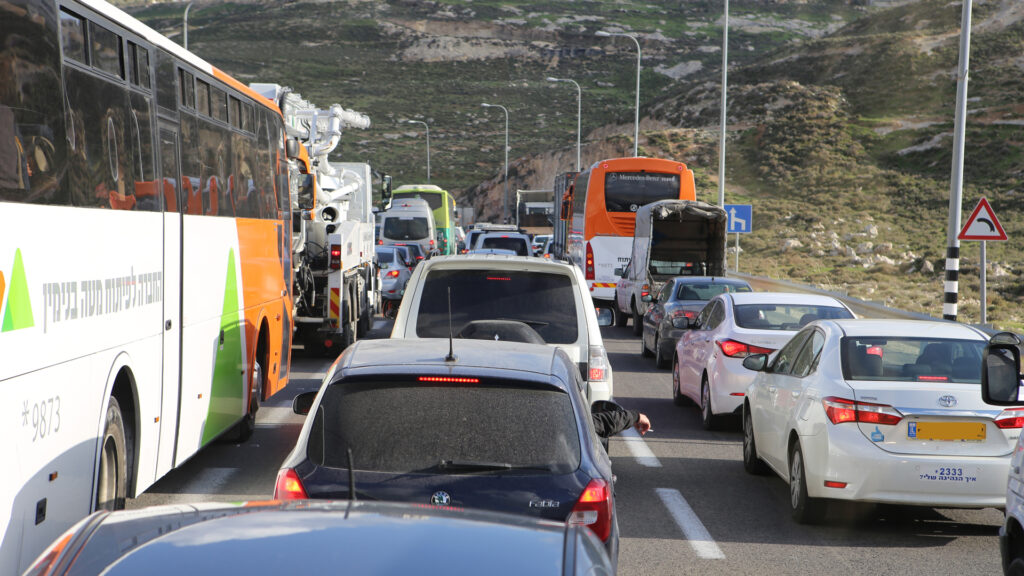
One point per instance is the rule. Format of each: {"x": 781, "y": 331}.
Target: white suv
{"x": 518, "y": 298}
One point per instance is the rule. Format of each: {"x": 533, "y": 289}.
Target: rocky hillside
{"x": 840, "y": 112}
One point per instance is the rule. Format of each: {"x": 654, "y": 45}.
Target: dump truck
{"x": 671, "y": 238}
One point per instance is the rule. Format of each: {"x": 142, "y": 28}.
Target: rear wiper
{"x": 467, "y": 466}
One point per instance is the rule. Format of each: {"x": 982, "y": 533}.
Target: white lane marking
{"x": 276, "y": 416}
{"x": 692, "y": 528}
{"x": 205, "y": 485}
{"x": 639, "y": 449}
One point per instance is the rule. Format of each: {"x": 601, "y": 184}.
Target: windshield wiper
{"x": 468, "y": 466}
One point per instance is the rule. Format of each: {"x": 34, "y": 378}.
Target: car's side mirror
{"x": 291, "y": 148}
{"x": 755, "y": 362}
{"x": 618, "y": 272}
{"x": 682, "y": 322}
{"x": 647, "y": 298}
{"x": 604, "y": 316}
{"x": 1000, "y": 374}
{"x": 302, "y": 403}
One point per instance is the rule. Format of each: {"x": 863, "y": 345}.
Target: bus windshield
{"x": 627, "y": 191}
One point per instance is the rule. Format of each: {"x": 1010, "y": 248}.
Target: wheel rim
{"x": 796, "y": 479}
{"x": 657, "y": 349}
{"x": 106, "y": 489}
{"x": 705, "y": 401}
{"x": 675, "y": 378}
{"x": 748, "y": 439}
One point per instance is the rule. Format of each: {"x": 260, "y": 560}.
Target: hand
{"x": 643, "y": 425}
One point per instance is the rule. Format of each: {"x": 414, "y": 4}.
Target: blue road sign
{"x": 740, "y": 218}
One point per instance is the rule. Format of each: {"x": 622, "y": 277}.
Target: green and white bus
{"x": 145, "y": 287}
{"x": 443, "y": 205}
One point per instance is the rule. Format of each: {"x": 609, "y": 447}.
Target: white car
{"x": 516, "y": 241}
{"x": 886, "y": 411}
{"x": 519, "y": 298}
{"x": 707, "y": 367}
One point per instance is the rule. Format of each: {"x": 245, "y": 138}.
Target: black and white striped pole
{"x": 952, "y": 283}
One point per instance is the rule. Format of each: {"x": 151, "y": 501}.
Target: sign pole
{"x": 984, "y": 265}
{"x": 737, "y": 252}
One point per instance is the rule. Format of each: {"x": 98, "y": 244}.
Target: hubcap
{"x": 748, "y": 439}
{"x": 705, "y": 400}
{"x": 795, "y": 480}
{"x": 107, "y": 489}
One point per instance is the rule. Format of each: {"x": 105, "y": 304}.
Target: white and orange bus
{"x": 145, "y": 289}
{"x": 605, "y": 199}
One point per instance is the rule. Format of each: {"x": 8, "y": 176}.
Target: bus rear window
{"x": 627, "y": 191}
{"x": 406, "y": 228}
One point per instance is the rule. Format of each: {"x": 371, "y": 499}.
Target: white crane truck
{"x": 336, "y": 285}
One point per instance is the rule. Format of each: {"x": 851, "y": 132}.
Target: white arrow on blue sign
{"x": 740, "y": 218}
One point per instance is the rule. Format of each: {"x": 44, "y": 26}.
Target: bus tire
{"x": 247, "y": 425}
{"x": 112, "y": 476}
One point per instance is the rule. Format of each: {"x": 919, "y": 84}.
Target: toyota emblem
{"x": 441, "y": 498}
{"x": 947, "y": 401}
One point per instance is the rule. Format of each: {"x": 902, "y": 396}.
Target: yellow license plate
{"x": 947, "y": 431}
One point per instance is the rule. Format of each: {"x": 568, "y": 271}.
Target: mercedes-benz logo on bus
{"x": 947, "y": 401}
{"x": 441, "y": 498}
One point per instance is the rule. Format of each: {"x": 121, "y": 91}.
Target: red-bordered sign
{"x": 983, "y": 224}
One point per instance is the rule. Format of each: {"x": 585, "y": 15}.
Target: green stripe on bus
{"x": 19, "y": 308}
{"x": 228, "y": 384}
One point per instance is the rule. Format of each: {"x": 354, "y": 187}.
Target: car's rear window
{"x": 707, "y": 290}
{"x": 922, "y": 360}
{"x": 398, "y": 228}
{"x": 408, "y": 427}
{"x": 784, "y": 316}
{"x": 545, "y": 301}
{"x": 516, "y": 244}
{"x": 385, "y": 256}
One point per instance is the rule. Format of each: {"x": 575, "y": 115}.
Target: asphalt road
{"x": 685, "y": 503}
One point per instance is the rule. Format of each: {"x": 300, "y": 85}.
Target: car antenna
{"x": 351, "y": 478}
{"x": 451, "y": 352}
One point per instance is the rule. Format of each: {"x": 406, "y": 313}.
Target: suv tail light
{"x": 594, "y": 509}
{"x": 597, "y": 364}
{"x": 1010, "y": 418}
{"x": 335, "y": 256}
{"x": 839, "y": 410}
{"x": 589, "y": 270}
{"x": 288, "y": 486}
{"x": 736, "y": 349}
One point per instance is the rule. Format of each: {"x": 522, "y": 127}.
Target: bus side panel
{"x": 610, "y": 252}
{"x": 263, "y": 288}
{"x": 70, "y": 312}
{"x": 214, "y": 367}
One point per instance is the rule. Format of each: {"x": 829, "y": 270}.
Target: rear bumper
{"x": 842, "y": 454}
{"x": 729, "y": 378}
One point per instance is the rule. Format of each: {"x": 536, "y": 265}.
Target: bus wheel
{"x": 247, "y": 425}
{"x": 112, "y": 482}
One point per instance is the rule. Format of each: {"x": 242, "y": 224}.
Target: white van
{"x": 512, "y": 298}
{"x": 409, "y": 221}
{"x": 1001, "y": 385}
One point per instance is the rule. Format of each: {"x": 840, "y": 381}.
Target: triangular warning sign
{"x": 983, "y": 224}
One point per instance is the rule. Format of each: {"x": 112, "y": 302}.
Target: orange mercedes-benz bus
{"x": 603, "y": 213}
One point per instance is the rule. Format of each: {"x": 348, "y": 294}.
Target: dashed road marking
{"x": 690, "y": 524}
{"x": 638, "y": 448}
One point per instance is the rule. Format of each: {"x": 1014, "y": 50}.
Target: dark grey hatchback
{"x": 499, "y": 426}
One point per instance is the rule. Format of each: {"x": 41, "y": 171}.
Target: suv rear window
{"x": 406, "y": 228}
{"x": 545, "y": 301}
{"x": 516, "y": 244}
{"x": 530, "y": 429}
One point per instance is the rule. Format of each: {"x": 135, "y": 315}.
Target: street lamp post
{"x": 185, "y": 24}
{"x": 428, "y": 143}
{"x": 504, "y": 202}
{"x": 636, "y": 122}
{"x": 579, "y": 113}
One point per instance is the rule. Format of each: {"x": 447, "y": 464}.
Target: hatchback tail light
{"x": 594, "y": 509}
{"x": 589, "y": 271}
{"x": 1010, "y": 418}
{"x": 839, "y": 410}
{"x": 288, "y": 486}
{"x": 736, "y": 349}
{"x": 392, "y": 274}
{"x": 597, "y": 364}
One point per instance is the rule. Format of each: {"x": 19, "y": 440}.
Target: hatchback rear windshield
{"x": 708, "y": 290}
{"x": 627, "y": 191}
{"x": 516, "y": 244}
{"x": 544, "y": 301}
{"x": 528, "y": 429}
{"x": 406, "y": 228}
{"x": 912, "y": 359}
{"x": 784, "y": 316}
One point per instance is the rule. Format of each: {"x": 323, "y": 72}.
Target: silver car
{"x": 395, "y": 270}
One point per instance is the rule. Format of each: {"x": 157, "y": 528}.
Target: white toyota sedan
{"x": 886, "y": 411}
{"x": 707, "y": 366}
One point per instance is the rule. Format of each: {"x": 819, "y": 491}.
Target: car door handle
{"x": 772, "y": 389}
{"x": 795, "y": 393}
